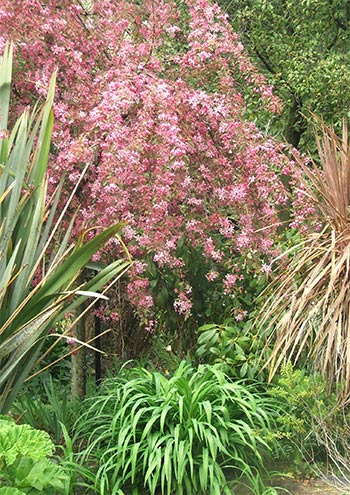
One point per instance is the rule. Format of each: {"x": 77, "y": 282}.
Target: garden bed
{"x": 294, "y": 486}
{"x": 309, "y": 487}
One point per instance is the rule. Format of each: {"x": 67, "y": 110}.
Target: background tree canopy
{"x": 302, "y": 46}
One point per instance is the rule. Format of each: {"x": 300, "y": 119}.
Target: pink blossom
{"x": 229, "y": 283}
{"x": 210, "y": 251}
{"x": 240, "y": 315}
{"x": 114, "y": 316}
{"x": 211, "y": 276}
{"x": 266, "y": 268}
{"x": 150, "y": 326}
{"x": 162, "y": 257}
{"x": 182, "y": 304}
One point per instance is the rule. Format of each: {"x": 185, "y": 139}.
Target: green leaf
{"x": 41, "y": 475}
{"x": 7, "y": 490}
{"x": 5, "y": 85}
{"x": 17, "y": 441}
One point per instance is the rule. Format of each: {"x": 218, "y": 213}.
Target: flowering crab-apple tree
{"x": 151, "y": 95}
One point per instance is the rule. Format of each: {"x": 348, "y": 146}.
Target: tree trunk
{"x": 78, "y": 383}
{"x": 296, "y": 125}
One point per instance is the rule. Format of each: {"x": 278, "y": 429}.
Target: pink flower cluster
{"x": 182, "y": 303}
{"x": 146, "y": 96}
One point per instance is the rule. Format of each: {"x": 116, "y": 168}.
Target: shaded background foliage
{"x": 302, "y": 47}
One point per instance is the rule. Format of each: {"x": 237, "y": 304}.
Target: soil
{"x": 291, "y": 486}
{"x": 310, "y": 487}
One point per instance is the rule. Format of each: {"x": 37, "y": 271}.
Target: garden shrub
{"x": 235, "y": 345}
{"x": 186, "y": 433}
{"x": 206, "y": 293}
{"x": 310, "y": 415}
{"x": 151, "y": 96}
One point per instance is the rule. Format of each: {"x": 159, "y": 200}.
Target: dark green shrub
{"x": 235, "y": 345}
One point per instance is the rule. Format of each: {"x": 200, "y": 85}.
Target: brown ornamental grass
{"x": 308, "y": 313}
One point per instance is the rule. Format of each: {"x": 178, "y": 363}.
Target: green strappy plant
{"x": 189, "y": 433}
{"x": 29, "y": 226}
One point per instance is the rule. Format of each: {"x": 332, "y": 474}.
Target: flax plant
{"x": 28, "y": 227}
{"x": 309, "y": 310}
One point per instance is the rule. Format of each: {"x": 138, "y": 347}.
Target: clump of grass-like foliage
{"x": 147, "y": 433}
{"x": 310, "y": 304}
